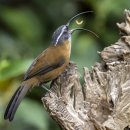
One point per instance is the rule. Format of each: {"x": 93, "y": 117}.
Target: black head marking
{"x": 60, "y": 35}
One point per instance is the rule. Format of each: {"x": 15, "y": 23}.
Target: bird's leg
{"x": 56, "y": 87}
{"x": 44, "y": 86}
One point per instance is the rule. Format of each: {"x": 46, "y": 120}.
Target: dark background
{"x": 26, "y": 28}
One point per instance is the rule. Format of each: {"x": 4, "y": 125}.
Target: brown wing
{"x": 45, "y": 62}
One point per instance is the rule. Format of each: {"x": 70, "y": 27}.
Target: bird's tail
{"x": 15, "y": 101}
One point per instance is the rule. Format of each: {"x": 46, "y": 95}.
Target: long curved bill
{"x": 83, "y": 29}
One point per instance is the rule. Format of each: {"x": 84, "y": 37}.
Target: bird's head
{"x": 63, "y": 32}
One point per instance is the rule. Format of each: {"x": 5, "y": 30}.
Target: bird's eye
{"x": 65, "y": 31}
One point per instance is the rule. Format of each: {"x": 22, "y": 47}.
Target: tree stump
{"x": 103, "y": 102}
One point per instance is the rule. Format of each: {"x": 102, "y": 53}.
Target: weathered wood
{"x": 103, "y": 102}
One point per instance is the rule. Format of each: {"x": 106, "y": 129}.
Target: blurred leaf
{"x": 4, "y": 64}
{"x": 33, "y": 113}
{"x": 9, "y": 69}
{"x": 24, "y": 22}
{"x": 4, "y": 85}
{"x": 88, "y": 55}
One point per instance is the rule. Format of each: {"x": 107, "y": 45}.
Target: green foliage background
{"x": 26, "y": 28}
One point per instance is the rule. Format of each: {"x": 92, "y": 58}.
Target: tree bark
{"x": 103, "y": 102}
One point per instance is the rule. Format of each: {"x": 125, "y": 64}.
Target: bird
{"x": 47, "y": 66}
